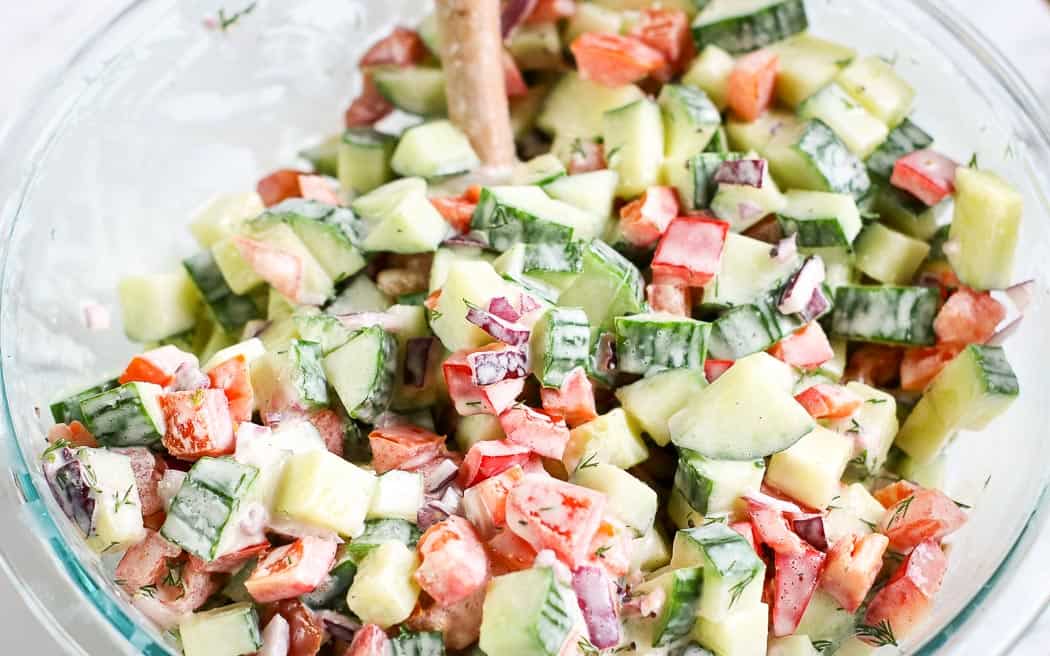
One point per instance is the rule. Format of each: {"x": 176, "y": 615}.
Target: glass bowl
{"x": 158, "y": 112}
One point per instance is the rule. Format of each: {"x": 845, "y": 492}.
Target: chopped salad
{"x": 679, "y": 383}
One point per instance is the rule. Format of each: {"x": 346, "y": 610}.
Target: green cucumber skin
{"x": 999, "y": 376}
{"x": 906, "y": 314}
{"x": 719, "y": 143}
{"x": 566, "y": 341}
{"x": 815, "y": 233}
{"x": 694, "y": 486}
{"x": 505, "y": 225}
{"x": 331, "y": 593}
{"x": 68, "y": 410}
{"x": 903, "y": 140}
{"x": 310, "y": 381}
{"x": 383, "y": 384}
{"x": 422, "y": 643}
{"x": 741, "y": 34}
{"x": 230, "y": 310}
{"x": 648, "y": 346}
{"x": 703, "y": 167}
{"x": 118, "y": 418}
{"x": 842, "y": 171}
{"x": 726, "y": 551}
{"x": 204, "y": 505}
{"x": 679, "y": 614}
{"x": 751, "y": 328}
{"x": 553, "y": 257}
{"x": 554, "y": 621}
{"x": 378, "y": 531}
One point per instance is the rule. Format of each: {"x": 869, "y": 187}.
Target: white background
{"x": 38, "y": 35}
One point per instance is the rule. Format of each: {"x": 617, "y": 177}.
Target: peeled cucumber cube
{"x": 446, "y": 255}
{"x": 383, "y": 591}
{"x": 747, "y": 272}
{"x": 527, "y": 613}
{"x": 398, "y": 495}
{"x": 741, "y": 633}
{"x": 810, "y": 469}
{"x": 652, "y": 400}
{"x": 682, "y": 588}
{"x": 592, "y": 192}
{"x": 364, "y": 159}
{"x": 874, "y": 422}
{"x": 873, "y": 83}
{"x": 316, "y": 283}
{"x": 417, "y": 90}
{"x": 575, "y": 106}
{"x": 539, "y": 170}
{"x": 536, "y": 46}
{"x": 239, "y": 275}
{"x": 593, "y": 17}
{"x": 795, "y": 645}
{"x": 433, "y": 150}
{"x": 733, "y": 573}
{"x": 474, "y": 282}
{"x": 226, "y": 631}
{"x": 223, "y": 215}
{"x": 612, "y": 438}
{"x": 362, "y": 372}
{"x": 807, "y": 63}
{"x": 984, "y": 228}
{"x": 710, "y": 72}
{"x": 628, "y": 499}
{"x": 853, "y": 511}
{"x": 321, "y": 489}
{"x": 825, "y": 620}
{"x": 651, "y": 551}
{"x": 474, "y": 428}
{"x": 154, "y": 307}
{"x": 633, "y": 136}
{"x": 117, "y": 520}
{"x": 820, "y": 219}
{"x": 889, "y": 256}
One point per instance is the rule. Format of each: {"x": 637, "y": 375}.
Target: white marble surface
{"x": 37, "y": 36}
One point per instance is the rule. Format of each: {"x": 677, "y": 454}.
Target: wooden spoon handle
{"x": 472, "y": 56}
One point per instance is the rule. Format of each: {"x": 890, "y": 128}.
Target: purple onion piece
{"x": 817, "y": 306}
{"x": 504, "y": 309}
{"x": 474, "y": 239}
{"x": 1004, "y": 333}
{"x": 811, "y": 529}
{"x": 490, "y": 367}
{"x": 430, "y": 513}
{"x": 513, "y": 13}
{"x": 507, "y": 332}
{"x": 436, "y": 479}
{"x": 749, "y": 212}
{"x": 452, "y": 499}
{"x": 594, "y": 594}
{"x": 1021, "y": 294}
{"x": 417, "y": 360}
{"x": 785, "y": 249}
{"x": 799, "y": 290}
{"x": 605, "y": 354}
{"x": 747, "y": 172}
{"x": 528, "y": 303}
{"x": 71, "y": 484}
{"x": 188, "y": 378}
{"x": 337, "y": 625}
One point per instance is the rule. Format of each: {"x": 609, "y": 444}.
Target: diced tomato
{"x": 148, "y": 470}
{"x": 232, "y": 377}
{"x": 291, "y": 570}
{"x": 459, "y": 624}
{"x": 926, "y": 515}
{"x": 471, "y": 399}
{"x": 968, "y": 317}
{"x": 403, "y": 47}
{"x": 512, "y": 79}
{"x": 229, "y": 563}
{"x": 535, "y": 430}
{"x": 613, "y": 60}
{"x": 146, "y": 562}
{"x": 403, "y": 447}
{"x": 772, "y": 529}
{"x": 852, "y": 565}
{"x": 282, "y": 270}
{"x": 369, "y": 107}
{"x": 895, "y": 492}
{"x": 305, "y": 628}
{"x": 485, "y": 504}
{"x": 551, "y": 11}
{"x": 75, "y": 433}
{"x": 715, "y": 368}
{"x": 823, "y": 401}
{"x": 157, "y": 366}
{"x": 874, "y": 364}
{"x": 645, "y": 219}
{"x": 921, "y": 364}
{"x": 671, "y": 299}
{"x": 509, "y": 552}
{"x": 573, "y": 401}
{"x": 748, "y": 531}
{"x": 472, "y": 194}
{"x": 431, "y": 301}
{"x": 551, "y": 514}
{"x": 690, "y": 251}
{"x": 330, "y": 426}
{"x": 611, "y": 548}
{"x": 925, "y": 174}
{"x": 317, "y": 187}
{"x": 453, "y": 561}
{"x": 370, "y": 640}
{"x": 187, "y": 590}
{"x": 490, "y": 458}
{"x": 279, "y": 185}
{"x": 155, "y": 521}
{"x": 666, "y": 30}
{"x": 751, "y": 84}
{"x": 198, "y": 424}
{"x": 794, "y": 582}
{"x": 906, "y": 599}
{"x": 455, "y": 210}
{"x": 806, "y": 348}
{"x": 586, "y": 156}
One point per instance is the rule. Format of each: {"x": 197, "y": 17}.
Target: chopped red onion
{"x": 504, "y": 309}
{"x": 337, "y": 625}
{"x": 605, "y": 355}
{"x": 747, "y": 172}
{"x": 528, "y": 303}
{"x": 96, "y": 316}
{"x": 786, "y": 249}
{"x": 747, "y": 212}
{"x": 473, "y": 239}
{"x": 513, "y": 13}
{"x": 817, "y": 306}
{"x": 430, "y": 513}
{"x": 507, "y": 332}
{"x": 799, "y": 291}
{"x": 1004, "y": 333}
{"x": 594, "y": 595}
{"x": 1021, "y": 294}
{"x": 188, "y": 378}
{"x": 71, "y": 485}
{"x": 810, "y": 527}
{"x": 491, "y": 367}
{"x": 417, "y": 360}
{"x": 437, "y": 478}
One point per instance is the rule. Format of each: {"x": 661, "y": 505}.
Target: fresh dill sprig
{"x": 879, "y": 635}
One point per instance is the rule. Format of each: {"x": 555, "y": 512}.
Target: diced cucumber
{"x": 540, "y": 170}
{"x": 154, "y": 307}
{"x": 362, "y": 372}
{"x": 331, "y": 593}
{"x": 859, "y": 130}
{"x": 853, "y": 512}
{"x": 68, "y": 409}
{"x": 713, "y": 487}
{"x": 904, "y": 139}
{"x": 743, "y": 205}
{"x": 749, "y": 272}
{"x": 329, "y": 234}
{"x": 612, "y": 438}
{"x": 892, "y": 315}
{"x": 741, "y": 633}
{"x": 380, "y": 531}
{"x": 116, "y": 517}
{"x": 510, "y": 215}
{"x": 628, "y": 499}
{"x": 324, "y": 157}
{"x": 593, "y": 17}
{"x": 651, "y": 551}
{"x": 361, "y": 295}
{"x": 431, "y": 150}
{"x": 398, "y": 495}
{"x": 238, "y": 274}
{"x": 794, "y": 645}
{"x": 525, "y": 109}
{"x": 719, "y": 143}
{"x": 820, "y": 219}
{"x": 976, "y": 387}
{"x": 873, "y": 83}
{"x": 695, "y": 178}
{"x": 128, "y": 415}
{"x": 474, "y": 428}
{"x": 315, "y": 281}
{"x": 633, "y": 136}
{"x": 593, "y": 192}
{"x": 690, "y": 120}
{"x": 744, "y": 25}
{"x": 650, "y": 343}
{"x": 536, "y": 47}
{"x": 651, "y": 401}
{"x": 906, "y": 213}
{"x": 560, "y": 342}
{"x": 875, "y": 422}
{"x": 230, "y": 310}
{"x": 747, "y": 329}
{"x": 930, "y": 474}
{"x": 527, "y": 613}
{"x": 383, "y": 591}
{"x": 291, "y": 377}
{"x": 277, "y": 335}
{"x": 747, "y": 413}
{"x": 322, "y": 329}
{"x": 709, "y": 72}
{"x": 682, "y": 589}
{"x": 203, "y": 516}
{"x": 810, "y": 469}
{"x": 414, "y": 89}
{"x": 364, "y": 159}
{"x": 609, "y": 286}
{"x": 446, "y": 255}
{"x": 889, "y": 256}
{"x": 733, "y": 572}
{"x": 825, "y": 620}
{"x": 807, "y": 64}
{"x": 401, "y": 218}
{"x": 226, "y": 631}
{"x": 418, "y": 643}
{"x": 223, "y": 215}
{"x": 321, "y": 489}
{"x": 474, "y": 282}
{"x": 984, "y": 226}
{"x": 575, "y": 106}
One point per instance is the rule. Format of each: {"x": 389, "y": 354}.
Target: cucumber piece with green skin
{"x": 743, "y": 205}
{"x": 740, "y": 27}
{"x": 652, "y": 400}
{"x": 468, "y": 283}
{"x": 710, "y": 72}
{"x": 536, "y": 47}
{"x": 221, "y": 216}
{"x": 362, "y": 372}
{"x": 824, "y": 620}
{"x": 323, "y": 329}
{"x": 544, "y": 258}
{"x": 904, "y": 212}
{"x": 715, "y": 486}
{"x": 985, "y": 227}
{"x": 820, "y": 219}
{"x": 593, "y": 192}
{"x": 400, "y": 218}
{"x": 608, "y": 287}
{"x": 446, "y": 256}
{"x": 414, "y": 89}
{"x": 95, "y": 488}
{"x": 331, "y": 593}
{"x": 315, "y": 281}
{"x": 807, "y": 64}
{"x": 748, "y": 412}
{"x": 690, "y": 120}
{"x": 890, "y": 315}
{"x": 128, "y": 415}
{"x": 748, "y": 273}
{"x": 872, "y": 82}
{"x": 633, "y": 136}
{"x": 418, "y": 643}
{"x": 364, "y": 159}
{"x": 695, "y": 178}
{"x": 628, "y": 499}
{"x": 747, "y": 329}
{"x": 329, "y": 233}
{"x": 540, "y": 170}
{"x": 510, "y": 215}
{"x": 435, "y": 149}
{"x": 378, "y": 531}
{"x": 291, "y": 377}
{"x": 158, "y": 306}
{"x": 68, "y": 409}
{"x": 682, "y": 588}
{"x": 361, "y": 295}
{"x": 732, "y": 571}
{"x": 238, "y": 274}
{"x": 593, "y": 17}
{"x": 973, "y": 389}
{"x": 576, "y": 106}
{"x": 855, "y": 126}
{"x": 889, "y": 256}
{"x": 324, "y": 157}
{"x": 902, "y": 140}
{"x": 650, "y": 343}
{"x": 527, "y": 613}
{"x": 719, "y": 142}
{"x": 230, "y": 310}
{"x": 226, "y": 631}
{"x": 560, "y": 342}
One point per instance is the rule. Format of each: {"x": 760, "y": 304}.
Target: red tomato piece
{"x": 645, "y": 219}
{"x": 456, "y": 211}
{"x": 671, "y": 299}
{"x": 666, "y": 30}
{"x": 535, "y": 431}
{"x": 794, "y": 582}
{"x": 330, "y": 426}
{"x": 155, "y": 521}
{"x": 921, "y": 364}
{"x": 968, "y": 317}
{"x": 509, "y": 553}
{"x": 459, "y": 624}
{"x": 745, "y": 529}
{"x": 192, "y": 589}
{"x": 874, "y": 364}
{"x": 370, "y": 640}
{"x": 291, "y": 570}
{"x": 613, "y": 60}
{"x": 402, "y": 47}
{"x": 231, "y": 562}
{"x": 751, "y": 84}
{"x": 906, "y": 599}
{"x": 823, "y": 401}
{"x": 586, "y": 156}
{"x": 369, "y": 107}
{"x": 895, "y": 492}
{"x": 157, "y": 366}
{"x": 198, "y": 424}
{"x": 715, "y": 368}
{"x": 403, "y": 447}
{"x": 806, "y": 348}
{"x": 512, "y": 79}
{"x": 551, "y": 514}
{"x": 852, "y": 565}
{"x": 690, "y": 251}
{"x": 472, "y": 194}
{"x": 282, "y": 270}
{"x": 148, "y": 470}
{"x": 490, "y": 458}
{"x": 485, "y": 504}
{"x": 573, "y": 401}
{"x": 610, "y": 549}
{"x": 232, "y": 377}
{"x": 279, "y": 185}
{"x": 146, "y": 562}
{"x": 317, "y": 187}
{"x": 471, "y": 399}
{"x": 453, "y": 561}
{"x": 551, "y": 11}
{"x": 926, "y": 515}
{"x": 772, "y": 529}
{"x": 925, "y": 174}
{"x": 75, "y": 433}
{"x": 431, "y": 301}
